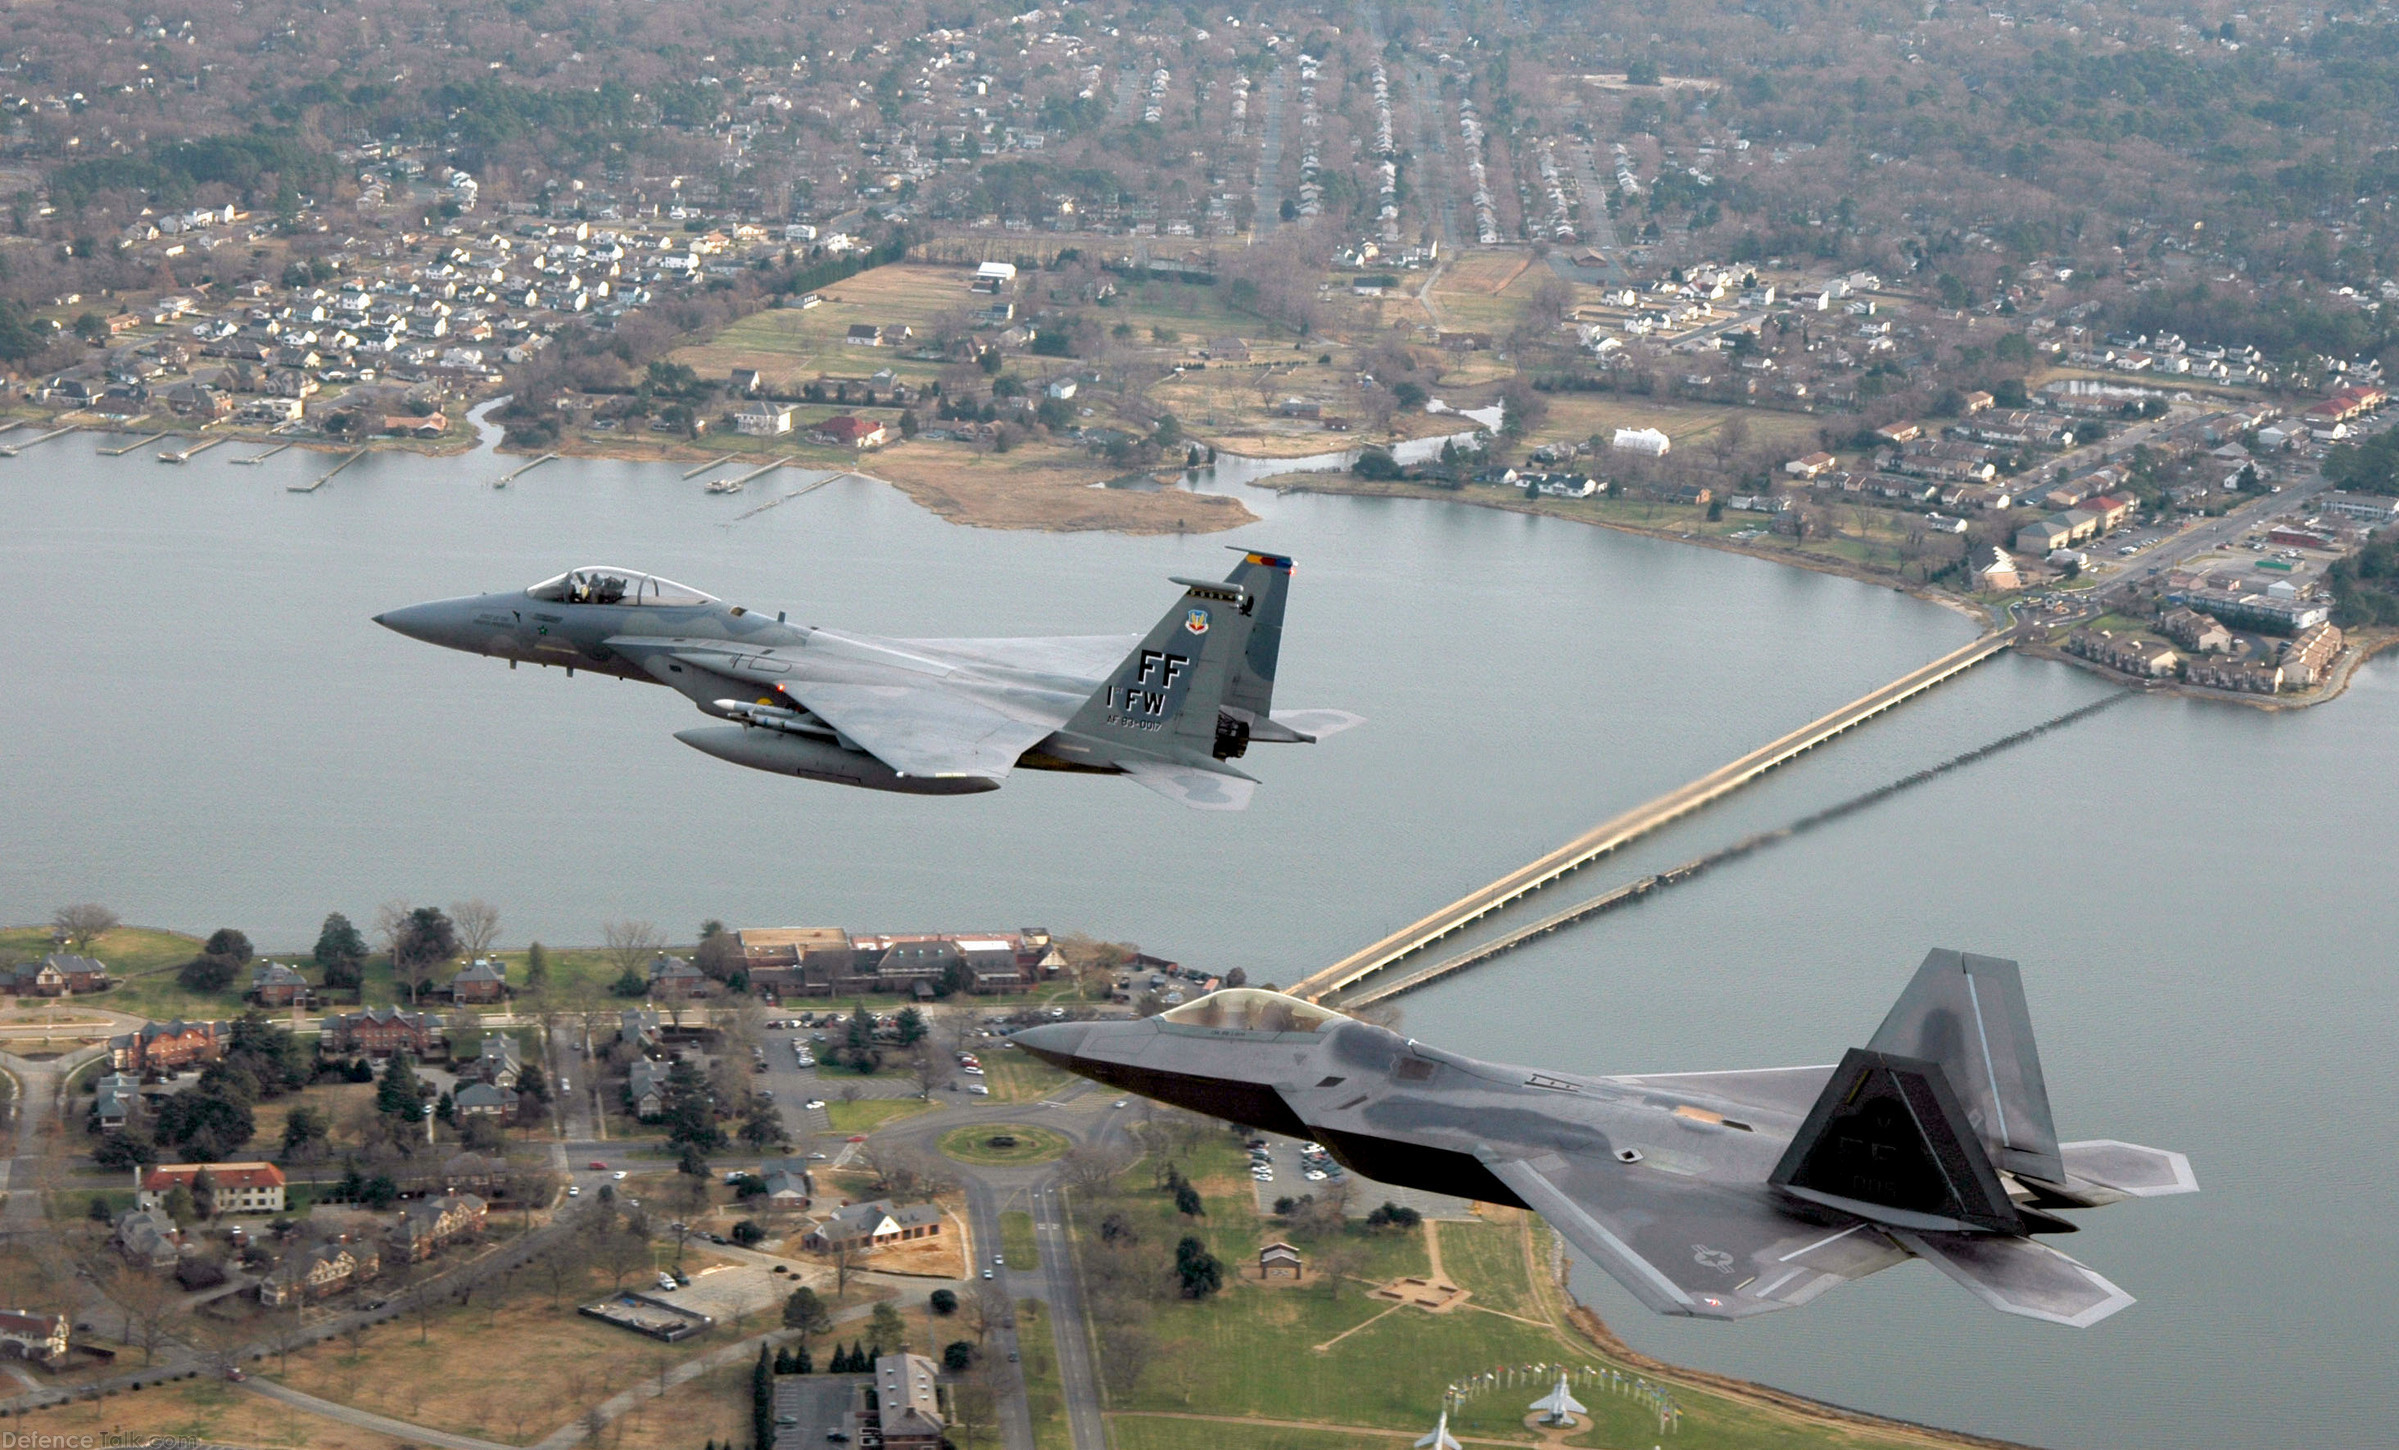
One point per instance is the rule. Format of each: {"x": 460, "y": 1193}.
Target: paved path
{"x": 399, "y": 1430}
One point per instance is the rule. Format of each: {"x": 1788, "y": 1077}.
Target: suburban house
{"x": 481, "y": 980}
{"x": 115, "y": 1099}
{"x": 41, "y": 1338}
{"x": 1993, "y": 570}
{"x": 844, "y": 430}
{"x": 240, "y": 1187}
{"x": 676, "y": 978}
{"x": 867, "y": 1227}
{"x": 486, "y": 1100}
{"x": 497, "y": 1061}
{"x": 426, "y": 1227}
{"x": 1814, "y": 465}
{"x": 2195, "y": 632}
{"x": 272, "y": 984}
{"x": 638, "y": 1026}
{"x": 907, "y": 1402}
{"x": 1280, "y": 1261}
{"x": 863, "y": 334}
{"x": 382, "y": 1031}
{"x": 788, "y": 1183}
{"x": 762, "y": 419}
{"x": 318, "y": 1271}
{"x": 645, "y": 1088}
{"x": 149, "y": 1237}
{"x": 164, "y": 1047}
{"x": 60, "y": 974}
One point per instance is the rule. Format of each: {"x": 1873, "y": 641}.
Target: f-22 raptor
{"x": 1717, "y": 1195}
{"x": 1170, "y": 710}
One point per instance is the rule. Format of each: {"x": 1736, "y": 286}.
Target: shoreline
{"x": 1361, "y": 488}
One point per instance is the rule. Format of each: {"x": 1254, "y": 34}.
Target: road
{"x": 1266, "y": 197}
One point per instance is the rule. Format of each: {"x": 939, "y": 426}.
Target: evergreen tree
{"x": 537, "y": 967}
{"x": 341, "y": 952}
{"x": 762, "y": 1401}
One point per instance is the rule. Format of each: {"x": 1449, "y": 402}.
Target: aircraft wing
{"x": 1202, "y": 790}
{"x": 1689, "y": 1247}
{"x": 1080, "y": 656}
{"x": 921, "y": 729}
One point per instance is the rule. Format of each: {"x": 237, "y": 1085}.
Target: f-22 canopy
{"x": 1171, "y": 709}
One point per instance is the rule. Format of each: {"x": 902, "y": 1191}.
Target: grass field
{"x": 973, "y": 1144}
{"x": 202, "y": 1410}
{"x": 1575, "y": 417}
{"x": 868, "y": 1114}
{"x": 1045, "y": 1394}
{"x": 1329, "y": 1356}
{"x": 1016, "y": 1240}
{"x": 1020, "y": 1077}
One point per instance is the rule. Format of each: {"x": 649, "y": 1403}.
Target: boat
{"x": 724, "y": 485}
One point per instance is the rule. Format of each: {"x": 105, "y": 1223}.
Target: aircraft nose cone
{"x": 432, "y": 623}
{"x": 1055, "y": 1044}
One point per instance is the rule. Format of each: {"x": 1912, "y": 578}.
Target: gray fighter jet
{"x": 1171, "y": 710}
{"x": 1714, "y": 1194}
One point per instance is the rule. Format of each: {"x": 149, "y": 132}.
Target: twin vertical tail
{"x": 1938, "y": 1132}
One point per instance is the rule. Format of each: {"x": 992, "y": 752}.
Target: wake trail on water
{"x": 1649, "y": 886}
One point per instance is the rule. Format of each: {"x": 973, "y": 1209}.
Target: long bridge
{"x": 1612, "y": 834}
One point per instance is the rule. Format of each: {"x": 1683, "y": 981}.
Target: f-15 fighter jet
{"x": 1712, "y": 1194}
{"x": 1170, "y": 710}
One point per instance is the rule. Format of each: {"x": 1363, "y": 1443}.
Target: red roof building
{"x": 239, "y": 1187}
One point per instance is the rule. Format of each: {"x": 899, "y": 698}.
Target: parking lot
{"x": 1365, "y": 1195}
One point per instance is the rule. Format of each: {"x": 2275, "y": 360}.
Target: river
{"x": 204, "y": 728}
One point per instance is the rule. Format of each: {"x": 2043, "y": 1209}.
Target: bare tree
{"x": 845, "y": 1262}
{"x": 391, "y": 924}
{"x": 1091, "y": 1166}
{"x": 478, "y": 923}
{"x": 926, "y": 1065}
{"x": 83, "y": 923}
{"x": 631, "y": 944}
{"x": 148, "y": 1302}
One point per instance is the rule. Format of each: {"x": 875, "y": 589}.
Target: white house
{"x": 761, "y": 419}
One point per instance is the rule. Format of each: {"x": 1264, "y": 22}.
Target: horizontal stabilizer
{"x": 2127, "y": 1169}
{"x": 2020, "y": 1276}
{"x": 1311, "y": 725}
{"x": 1440, "y": 1438}
{"x": 1202, "y": 790}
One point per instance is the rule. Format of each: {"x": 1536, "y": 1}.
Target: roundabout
{"x": 1003, "y": 1145}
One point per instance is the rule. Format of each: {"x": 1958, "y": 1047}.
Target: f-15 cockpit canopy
{"x": 1251, "y": 1009}
{"x": 602, "y": 584}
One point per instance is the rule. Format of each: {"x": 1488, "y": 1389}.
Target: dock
{"x": 521, "y": 470}
{"x": 128, "y": 448}
{"x": 14, "y": 449}
{"x": 1630, "y": 826}
{"x": 184, "y": 455}
{"x": 261, "y": 457}
{"x": 803, "y": 489}
{"x": 326, "y": 477}
{"x": 732, "y": 486}
{"x": 712, "y": 463}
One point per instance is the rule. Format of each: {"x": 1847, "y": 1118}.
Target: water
{"x": 203, "y": 728}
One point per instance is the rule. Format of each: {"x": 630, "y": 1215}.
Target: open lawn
{"x": 868, "y": 1114}
{"x": 792, "y": 346}
{"x": 1020, "y": 1077}
{"x": 1328, "y": 1355}
{"x": 203, "y": 1410}
{"x": 511, "y": 1368}
{"x": 1045, "y": 1395}
{"x": 1043, "y": 485}
{"x": 978, "y": 1144}
{"x": 1016, "y": 1240}
{"x": 1575, "y": 417}
{"x": 714, "y": 1406}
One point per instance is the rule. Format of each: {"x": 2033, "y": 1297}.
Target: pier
{"x": 261, "y": 457}
{"x": 129, "y": 447}
{"x": 14, "y": 449}
{"x": 1621, "y": 830}
{"x": 713, "y": 463}
{"x": 184, "y": 455}
{"x": 521, "y": 470}
{"x": 735, "y": 485}
{"x": 326, "y": 477}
